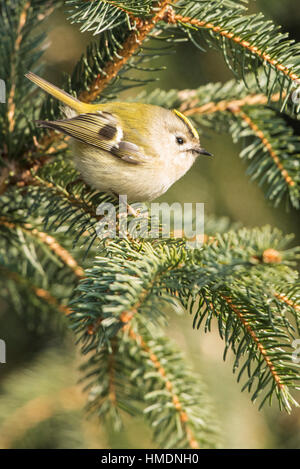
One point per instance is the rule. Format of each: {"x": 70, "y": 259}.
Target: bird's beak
{"x": 202, "y": 151}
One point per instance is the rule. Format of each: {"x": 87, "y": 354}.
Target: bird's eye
{"x": 179, "y": 140}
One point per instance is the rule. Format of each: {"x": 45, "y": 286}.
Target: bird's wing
{"x": 102, "y": 130}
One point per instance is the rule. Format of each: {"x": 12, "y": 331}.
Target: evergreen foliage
{"x": 115, "y": 295}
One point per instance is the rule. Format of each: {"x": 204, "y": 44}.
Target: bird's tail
{"x": 61, "y": 95}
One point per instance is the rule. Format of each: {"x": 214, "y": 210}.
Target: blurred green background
{"x": 40, "y": 405}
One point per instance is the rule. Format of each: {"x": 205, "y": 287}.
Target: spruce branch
{"x": 222, "y": 106}
{"x": 105, "y": 14}
{"x": 274, "y": 136}
{"x": 219, "y": 267}
{"x": 255, "y": 338}
{"x": 237, "y": 39}
{"x": 48, "y": 240}
{"x": 286, "y": 300}
{"x": 149, "y": 376}
{"x": 259, "y": 133}
{"x": 132, "y": 43}
{"x": 19, "y": 36}
{"x": 40, "y": 293}
{"x": 248, "y": 40}
{"x": 19, "y": 33}
{"x": 170, "y": 382}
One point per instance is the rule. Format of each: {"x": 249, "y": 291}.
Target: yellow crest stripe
{"x": 187, "y": 121}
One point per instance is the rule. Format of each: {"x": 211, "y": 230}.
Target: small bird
{"x": 133, "y": 149}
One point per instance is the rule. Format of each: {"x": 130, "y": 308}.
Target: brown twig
{"x": 39, "y": 292}
{"x": 10, "y": 100}
{"x": 130, "y": 46}
{"x": 50, "y": 241}
{"x": 259, "y": 133}
{"x": 238, "y": 40}
{"x": 168, "y": 384}
{"x": 282, "y": 297}
{"x": 252, "y": 334}
{"x": 222, "y": 106}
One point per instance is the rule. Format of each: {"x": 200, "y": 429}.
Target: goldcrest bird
{"x": 133, "y": 149}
